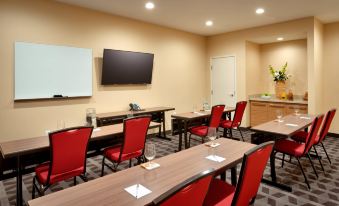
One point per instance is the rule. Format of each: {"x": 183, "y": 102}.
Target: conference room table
{"x": 174, "y": 169}
{"x": 290, "y": 125}
{"x": 21, "y": 147}
{"x": 120, "y": 115}
{"x": 184, "y": 119}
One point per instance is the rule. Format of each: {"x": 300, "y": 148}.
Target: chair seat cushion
{"x": 220, "y": 193}
{"x": 41, "y": 172}
{"x": 199, "y": 130}
{"x": 290, "y": 147}
{"x": 113, "y": 153}
{"x": 226, "y": 124}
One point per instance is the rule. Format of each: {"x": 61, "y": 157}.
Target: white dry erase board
{"x": 49, "y": 71}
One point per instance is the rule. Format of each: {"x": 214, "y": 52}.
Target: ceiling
{"x": 227, "y": 15}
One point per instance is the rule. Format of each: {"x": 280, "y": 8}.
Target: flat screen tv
{"x": 125, "y": 67}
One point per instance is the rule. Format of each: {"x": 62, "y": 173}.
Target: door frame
{"x": 235, "y": 75}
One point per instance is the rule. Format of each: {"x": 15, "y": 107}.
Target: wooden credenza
{"x": 264, "y": 111}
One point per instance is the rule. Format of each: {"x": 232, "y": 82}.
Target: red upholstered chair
{"x": 68, "y": 158}
{"x": 135, "y": 131}
{"x": 190, "y": 192}
{"x": 252, "y": 169}
{"x": 301, "y": 136}
{"x": 228, "y": 125}
{"x": 299, "y": 149}
{"x": 214, "y": 122}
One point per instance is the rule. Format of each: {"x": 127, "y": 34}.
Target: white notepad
{"x": 96, "y": 129}
{"x": 291, "y": 125}
{"x": 149, "y": 166}
{"x": 212, "y": 144}
{"x": 305, "y": 117}
{"x": 137, "y": 190}
{"x": 215, "y": 158}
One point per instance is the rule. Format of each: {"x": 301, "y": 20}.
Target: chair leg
{"x": 326, "y": 153}
{"x": 242, "y": 137}
{"x": 102, "y": 166}
{"x": 189, "y": 140}
{"x": 315, "y": 171}
{"x": 130, "y": 163}
{"x": 282, "y": 161}
{"x": 33, "y": 188}
{"x": 301, "y": 168}
{"x": 75, "y": 181}
{"x": 225, "y": 133}
{"x": 319, "y": 159}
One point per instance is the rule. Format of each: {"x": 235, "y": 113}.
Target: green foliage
{"x": 278, "y": 75}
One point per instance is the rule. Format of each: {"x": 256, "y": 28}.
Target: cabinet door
{"x": 273, "y": 108}
{"x": 258, "y": 113}
{"x": 290, "y": 108}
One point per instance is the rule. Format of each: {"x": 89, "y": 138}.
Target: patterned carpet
{"x": 325, "y": 189}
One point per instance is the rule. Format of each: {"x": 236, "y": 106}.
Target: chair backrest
{"x": 239, "y": 113}
{"x": 216, "y": 115}
{"x": 190, "y": 192}
{"x": 68, "y": 150}
{"x": 312, "y": 134}
{"x": 135, "y": 132}
{"x": 252, "y": 169}
{"x": 326, "y": 125}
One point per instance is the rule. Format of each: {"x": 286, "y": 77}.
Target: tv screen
{"x": 125, "y": 67}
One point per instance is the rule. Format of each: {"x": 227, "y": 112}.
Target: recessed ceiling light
{"x": 149, "y": 5}
{"x": 209, "y": 23}
{"x": 280, "y": 38}
{"x": 260, "y": 11}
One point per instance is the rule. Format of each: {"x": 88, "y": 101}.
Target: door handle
{"x": 232, "y": 95}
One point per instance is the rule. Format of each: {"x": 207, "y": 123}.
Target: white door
{"x": 223, "y": 81}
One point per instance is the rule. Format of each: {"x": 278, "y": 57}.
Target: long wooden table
{"x": 18, "y": 148}
{"x": 184, "y": 119}
{"x": 174, "y": 168}
{"x": 119, "y": 116}
{"x": 290, "y": 125}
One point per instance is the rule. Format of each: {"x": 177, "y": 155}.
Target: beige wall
{"x": 178, "y": 75}
{"x": 277, "y": 54}
{"x": 331, "y": 71}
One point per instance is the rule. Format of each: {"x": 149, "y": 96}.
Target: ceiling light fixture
{"x": 280, "y": 38}
{"x": 209, "y": 23}
{"x": 149, "y": 5}
{"x": 260, "y": 11}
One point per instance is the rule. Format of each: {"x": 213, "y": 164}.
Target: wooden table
{"x": 18, "y": 148}
{"x": 119, "y": 116}
{"x": 183, "y": 120}
{"x": 283, "y": 130}
{"x": 109, "y": 190}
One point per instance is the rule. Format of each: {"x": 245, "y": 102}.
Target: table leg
{"x": 234, "y": 175}
{"x": 180, "y": 133}
{"x": 19, "y": 183}
{"x": 162, "y": 119}
{"x": 274, "y": 182}
{"x": 185, "y": 134}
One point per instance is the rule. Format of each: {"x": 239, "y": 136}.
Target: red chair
{"x": 68, "y": 158}
{"x": 301, "y": 136}
{"x": 135, "y": 132}
{"x": 297, "y": 149}
{"x": 228, "y": 125}
{"x": 252, "y": 169}
{"x": 214, "y": 122}
{"x": 190, "y": 192}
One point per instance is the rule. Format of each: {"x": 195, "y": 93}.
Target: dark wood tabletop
{"x": 125, "y": 113}
{"x": 174, "y": 168}
{"x": 31, "y": 145}
{"x": 290, "y": 125}
{"x": 198, "y": 114}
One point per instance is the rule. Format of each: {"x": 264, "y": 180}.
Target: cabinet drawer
{"x": 290, "y": 108}
{"x": 273, "y": 109}
{"x": 258, "y": 113}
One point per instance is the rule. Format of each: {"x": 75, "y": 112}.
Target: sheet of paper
{"x": 137, "y": 190}
{"x": 215, "y": 158}
{"x": 151, "y": 166}
{"x": 305, "y": 117}
{"x": 212, "y": 144}
{"x": 291, "y": 125}
{"x": 96, "y": 129}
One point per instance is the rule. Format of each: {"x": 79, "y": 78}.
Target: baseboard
{"x": 333, "y": 134}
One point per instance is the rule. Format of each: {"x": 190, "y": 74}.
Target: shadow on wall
{"x": 126, "y": 87}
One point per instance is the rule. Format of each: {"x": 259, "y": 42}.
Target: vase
{"x": 280, "y": 88}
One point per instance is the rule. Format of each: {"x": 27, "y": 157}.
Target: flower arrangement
{"x": 279, "y": 75}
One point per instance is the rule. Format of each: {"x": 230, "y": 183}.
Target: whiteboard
{"x": 42, "y": 71}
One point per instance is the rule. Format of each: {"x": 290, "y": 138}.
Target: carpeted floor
{"x": 325, "y": 189}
